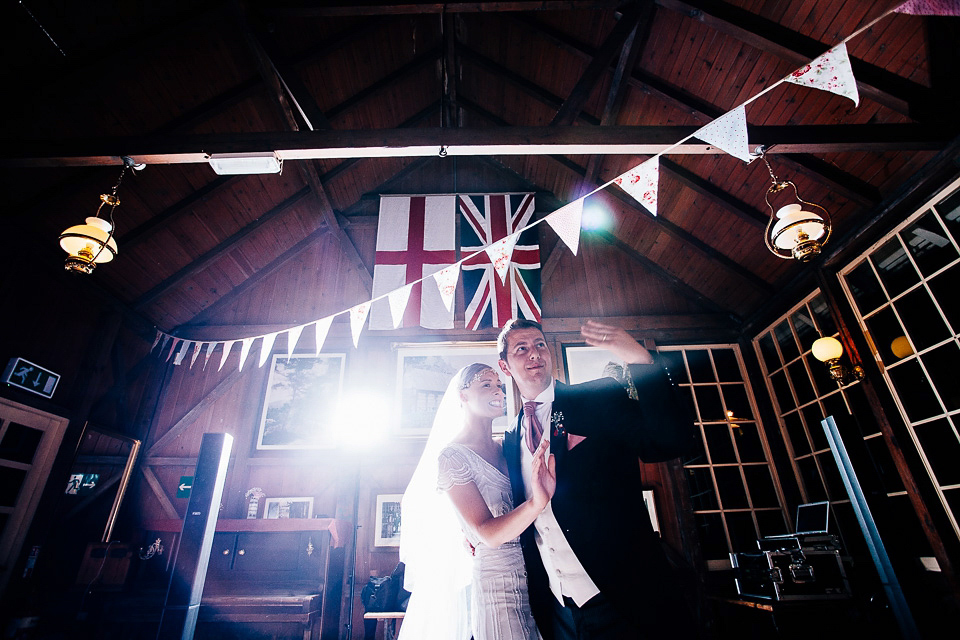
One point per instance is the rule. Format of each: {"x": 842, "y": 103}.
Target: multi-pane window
{"x": 905, "y": 293}
{"x": 733, "y": 486}
{"x": 803, "y": 394}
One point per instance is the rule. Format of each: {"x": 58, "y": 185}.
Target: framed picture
{"x": 585, "y": 363}
{"x": 425, "y": 370}
{"x": 651, "y": 509}
{"x": 387, "y": 527}
{"x": 275, "y": 508}
{"x": 300, "y": 401}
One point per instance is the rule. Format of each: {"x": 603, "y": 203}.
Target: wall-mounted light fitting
{"x": 829, "y": 350}
{"x": 794, "y": 232}
{"x": 232, "y": 164}
{"x": 92, "y": 243}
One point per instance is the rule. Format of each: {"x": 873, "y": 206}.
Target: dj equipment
{"x": 791, "y": 575}
{"x": 805, "y": 565}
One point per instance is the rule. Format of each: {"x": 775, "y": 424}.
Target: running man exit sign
{"x": 31, "y": 377}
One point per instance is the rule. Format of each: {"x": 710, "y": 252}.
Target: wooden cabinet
{"x": 282, "y": 578}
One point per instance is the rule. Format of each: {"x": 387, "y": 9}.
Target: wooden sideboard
{"x": 283, "y": 578}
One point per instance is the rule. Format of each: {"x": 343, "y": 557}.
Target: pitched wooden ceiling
{"x": 360, "y": 98}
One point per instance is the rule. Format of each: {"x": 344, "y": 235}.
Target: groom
{"x": 595, "y": 567}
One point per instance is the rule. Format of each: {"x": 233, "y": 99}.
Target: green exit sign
{"x": 31, "y": 377}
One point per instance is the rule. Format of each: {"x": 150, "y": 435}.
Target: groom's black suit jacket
{"x": 599, "y": 501}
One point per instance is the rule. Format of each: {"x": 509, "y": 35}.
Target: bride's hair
{"x": 471, "y": 372}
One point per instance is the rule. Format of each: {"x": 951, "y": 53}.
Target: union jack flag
{"x": 486, "y": 219}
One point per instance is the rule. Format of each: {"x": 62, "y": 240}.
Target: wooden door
{"x": 29, "y": 440}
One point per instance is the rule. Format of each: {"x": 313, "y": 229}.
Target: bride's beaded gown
{"x": 500, "y": 605}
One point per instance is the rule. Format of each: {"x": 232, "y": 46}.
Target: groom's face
{"x": 528, "y": 361}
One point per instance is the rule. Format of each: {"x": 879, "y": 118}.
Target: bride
{"x": 460, "y": 493}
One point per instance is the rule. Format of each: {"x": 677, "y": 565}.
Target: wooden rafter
{"x": 632, "y": 49}
{"x": 852, "y": 188}
{"x": 228, "y": 244}
{"x": 308, "y": 110}
{"x": 888, "y": 89}
{"x": 396, "y": 143}
{"x": 190, "y": 416}
{"x": 347, "y": 8}
{"x": 592, "y": 75}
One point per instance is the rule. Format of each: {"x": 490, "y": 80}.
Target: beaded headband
{"x": 476, "y": 377}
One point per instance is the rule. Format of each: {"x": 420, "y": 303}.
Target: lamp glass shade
{"x": 901, "y": 347}
{"x": 825, "y": 349}
{"x": 792, "y": 221}
{"x": 90, "y": 236}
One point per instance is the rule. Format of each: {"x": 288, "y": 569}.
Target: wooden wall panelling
{"x": 195, "y": 411}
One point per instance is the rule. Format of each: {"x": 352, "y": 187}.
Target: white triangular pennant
{"x": 267, "y": 347}
{"x": 566, "y": 222}
{"x": 173, "y": 347}
{"x": 163, "y": 345}
{"x": 398, "y": 299}
{"x": 245, "y": 345}
{"x": 196, "y": 352}
{"x": 446, "y": 280}
{"x": 358, "y": 315}
{"x": 930, "y": 7}
{"x": 729, "y": 133}
{"x": 293, "y": 336}
{"x": 206, "y": 357}
{"x": 323, "y": 327}
{"x": 500, "y": 253}
{"x": 641, "y": 182}
{"x": 156, "y": 340}
{"x": 183, "y": 352}
{"x": 830, "y": 72}
{"x": 226, "y": 352}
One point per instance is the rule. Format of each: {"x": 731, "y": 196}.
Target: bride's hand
{"x": 544, "y": 475}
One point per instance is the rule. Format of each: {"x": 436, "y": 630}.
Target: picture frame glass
{"x": 300, "y": 401}
{"x": 585, "y": 363}
{"x": 387, "y": 526}
{"x": 279, "y": 508}
{"x": 425, "y": 370}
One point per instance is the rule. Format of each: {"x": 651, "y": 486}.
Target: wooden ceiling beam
{"x": 281, "y": 71}
{"x": 716, "y": 195}
{"x": 423, "y": 141}
{"x": 632, "y": 49}
{"x": 417, "y": 118}
{"x": 173, "y": 212}
{"x": 307, "y": 9}
{"x": 243, "y": 288}
{"x": 427, "y": 58}
{"x": 850, "y": 187}
{"x": 306, "y": 108}
{"x": 612, "y": 44}
{"x": 678, "y": 285}
{"x": 228, "y": 244}
{"x": 889, "y": 89}
{"x": 449, "y": 72}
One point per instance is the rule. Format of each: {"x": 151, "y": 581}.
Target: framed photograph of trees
{"x": 300, "y": 401}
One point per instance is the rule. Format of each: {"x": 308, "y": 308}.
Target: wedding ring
{"x": 604, "y": 338}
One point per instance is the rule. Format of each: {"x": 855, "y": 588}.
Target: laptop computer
{"x": 812, "y": 518}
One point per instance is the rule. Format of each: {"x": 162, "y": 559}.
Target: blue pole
{"x": 891, "y": 586}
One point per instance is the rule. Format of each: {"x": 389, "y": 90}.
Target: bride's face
{"x": 484, "y": 396}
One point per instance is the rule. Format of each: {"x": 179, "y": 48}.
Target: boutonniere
{"x": 556, "y": 421}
